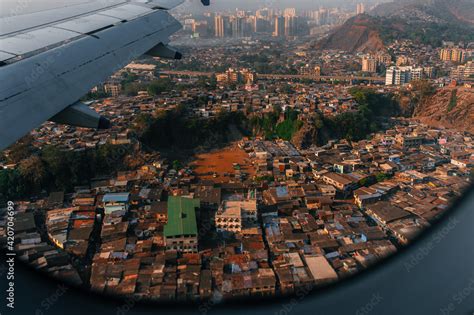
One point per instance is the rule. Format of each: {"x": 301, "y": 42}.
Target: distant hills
{"x": 359, "y": 34}
{"x": 440, "y": 11}
{"x": 423, "y": 21}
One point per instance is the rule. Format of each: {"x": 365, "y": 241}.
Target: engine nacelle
{"x": 164, "y": 51}
{"x": 81, "y": 115}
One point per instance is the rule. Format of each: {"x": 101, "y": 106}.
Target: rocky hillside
{"x": 358, "y": 34}
{"x": 449, "y": 107}
{"x": 463, "y": 10}
{"x": 427, "y": 22}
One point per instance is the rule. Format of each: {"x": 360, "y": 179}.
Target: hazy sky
{"x": 16, "y": 7}
{"x": 301, "y": 4}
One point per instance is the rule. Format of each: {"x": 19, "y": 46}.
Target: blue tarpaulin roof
{"x": 116, "y": 197}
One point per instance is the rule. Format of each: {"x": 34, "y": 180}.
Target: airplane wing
{"x": 50, "y": 59}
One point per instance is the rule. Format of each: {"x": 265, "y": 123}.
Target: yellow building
{"x": 452, "y": 54}
{"x": 369, "y": 64}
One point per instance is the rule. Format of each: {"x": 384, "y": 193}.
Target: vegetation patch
{"x": 356, "y": 126}
{"x": 178, "y": 129}
{"x": 52, "y": 169}
{"x": 453, "y": 101}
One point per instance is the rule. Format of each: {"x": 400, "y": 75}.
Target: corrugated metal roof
{"x": 117, "y": 197}
{"x": 181, "y": 216}
{"x": 282, "y": 191}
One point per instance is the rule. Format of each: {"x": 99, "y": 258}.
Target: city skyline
{"x": 281, "y": 4}
{"x": 17, "y": 7}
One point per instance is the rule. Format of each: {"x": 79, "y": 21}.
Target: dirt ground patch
{"x": 222, "y": 165}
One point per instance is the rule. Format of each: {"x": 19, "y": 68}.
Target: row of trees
{"x": 52, "y": 169}
{"x": 156, "y": 87}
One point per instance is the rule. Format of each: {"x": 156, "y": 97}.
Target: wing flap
{"x": 88, "y": 24}
{"x": 5, "y": 56}
{"x": 163, "y": 4}
{"x": 120, "y": 9}
{"x": 31, "y": 41}
{"x": 20, "y": 23}
{"x": 126, "y": 12}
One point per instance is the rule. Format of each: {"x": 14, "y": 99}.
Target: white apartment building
{"x": 232, "y": 214}
{"x": 402, "y": 75}
{"x": 229, "y": 217}
{"x": 464, "y": 71}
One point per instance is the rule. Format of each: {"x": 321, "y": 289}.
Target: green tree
{"x": 453, "y": 101}
{"x": 159, "y": 86}
{"x": 213, "y": 82}
{"x": 286, "y": 129}
{"x": 176, "y": 165}
{"x": 33, "y": 171}
{"x": 132, "y": 89}
{"x": 58, "y": 168}
{"x": 21, "y": 150}
{"x": 287, "y": 89}
{"x": 141, "y": 123}
{"x": 380, "y": 177}
{"x": 11, "y": 185}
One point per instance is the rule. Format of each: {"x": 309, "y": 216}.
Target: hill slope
{"x": 438, "y": 11}
{"x": 451, "y": 108}
{"x": 358, "y": 34}
{"x": 427, "y": 22}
